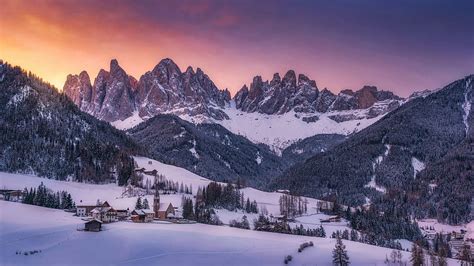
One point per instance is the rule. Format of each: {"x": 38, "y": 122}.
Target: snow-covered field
{"x": 53, "y": 232}
{"x": 89, "y": 193}
{"x": 25, "y": 228}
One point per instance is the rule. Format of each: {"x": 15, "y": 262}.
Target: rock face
{"x": 115, "y": 95}
{"x": 302, "y": 95}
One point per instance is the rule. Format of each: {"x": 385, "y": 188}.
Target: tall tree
{"x": 417, "y": 257}
{"x": 138, "y": 204}
{"x": 339, "y": 253}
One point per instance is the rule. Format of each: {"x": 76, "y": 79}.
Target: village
{"x": 166, "y": 206}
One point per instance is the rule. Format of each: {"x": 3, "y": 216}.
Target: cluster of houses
{"x": 104, "y": 213}
{"x": 457, "y": 240}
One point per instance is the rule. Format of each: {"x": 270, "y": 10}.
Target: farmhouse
{"x": 332, "y": 219}
{"x": 105, "y": 213}
{"x": 93, "y": 226}
{"x": 11, "y": 195}
{"x": 143, "y": 216}
{"x": 122, "y": 214}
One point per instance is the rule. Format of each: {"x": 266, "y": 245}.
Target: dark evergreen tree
{"x": 339, "y": 253}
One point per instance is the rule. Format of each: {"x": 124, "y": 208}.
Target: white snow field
{"x": 276, "y": 131}
{"x": 25, "y": 228}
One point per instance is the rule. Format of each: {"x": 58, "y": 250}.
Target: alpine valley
{"x": 362, "y": 165}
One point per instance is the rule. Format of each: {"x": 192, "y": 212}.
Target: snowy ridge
{"x": 467, "y": 104}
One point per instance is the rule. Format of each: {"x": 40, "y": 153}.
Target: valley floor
{"x": 25, "y": 228}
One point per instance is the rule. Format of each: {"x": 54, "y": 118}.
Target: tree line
{"x": 45, "y": 197}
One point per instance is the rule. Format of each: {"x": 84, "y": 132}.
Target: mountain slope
{"x": 43, "y": 132}
{"x": 207, "y": 149}
{"x": 385, "y": 163}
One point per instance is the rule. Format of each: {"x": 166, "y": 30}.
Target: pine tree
{"x": 145, "y": 204}
{"x": 339, "y": 253}
{"x": 464, "y": 256}
{"x": 417, "y": 257}
{"x": 138, "y": 205}
{"x": 442, "y": 256}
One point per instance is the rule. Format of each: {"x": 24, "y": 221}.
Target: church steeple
{"x": 156, "y": 202}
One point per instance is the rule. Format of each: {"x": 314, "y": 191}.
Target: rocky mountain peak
{"x": 302, "y": 95}
{"x": 276, "y": 80}
{"x": 114, "y": 66}
{"x": 289, "y": 80}
{"x": 115, "y": 95}
{"x": 167, "y": 66}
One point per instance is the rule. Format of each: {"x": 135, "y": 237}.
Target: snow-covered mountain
{"x": 116, "y": 96}
{"x": 44, "y": 133}
{"x": 293, "y": 109}
{"x": 418, "y": 157}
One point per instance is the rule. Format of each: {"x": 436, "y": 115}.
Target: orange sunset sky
{"x": 340, "y": 44}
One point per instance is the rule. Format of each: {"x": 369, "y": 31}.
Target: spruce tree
{"x": 464, "y": 256}
{"x": 138, "y": 205}
{"x": 417, "y": 257}
{"x": 339, "y": 253}
{"x": 145, "y": 204}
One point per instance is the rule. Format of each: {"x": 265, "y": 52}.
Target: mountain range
{"x": 367, "y": 147}
{"x": 118, "y": 98}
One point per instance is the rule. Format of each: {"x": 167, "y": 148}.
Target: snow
{"x": 417, "y": 165}
{"x": 378, "y": 161}
{"x": 129, "y": 122}
{"x": 440, "y": 227}
{"x": 19, "y": 97}
{"x": 467, "y": 105}
{"x": 55, "y": 234}
{"x": 259, "y": 158}
{"x": 193, "y": 150}
{"x": 276, "y": 131}
{"x": 280, "y": 131}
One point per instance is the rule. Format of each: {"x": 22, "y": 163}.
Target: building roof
{"x": 94, "y": 220}
{"x": 102, "y": 210}
{"x": 143, "y": 212}
{"x": 164, "y": 206}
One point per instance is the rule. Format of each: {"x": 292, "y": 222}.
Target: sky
{"x": 403, "y": 45}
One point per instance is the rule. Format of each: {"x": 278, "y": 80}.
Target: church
{"x": 162, "y": 210}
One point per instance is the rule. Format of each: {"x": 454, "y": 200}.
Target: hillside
{"x": 42, "y": 132}
{"x": 209, "y": 150}
{"x": 417, "y": 159}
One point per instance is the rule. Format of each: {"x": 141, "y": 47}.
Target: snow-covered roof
{"x": 164, "y": 206}
{"x": 94, "y": 220}
{"x": 143, "y": 211}
{"x": 101, "y": 209}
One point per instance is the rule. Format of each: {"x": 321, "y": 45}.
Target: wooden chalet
{"x": 93, "y": 225}
{"x": 122, "y": 214}
{"x": 142, "y": 216}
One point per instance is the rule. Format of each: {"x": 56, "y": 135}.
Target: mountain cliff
{"x": 115, "y": 95}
